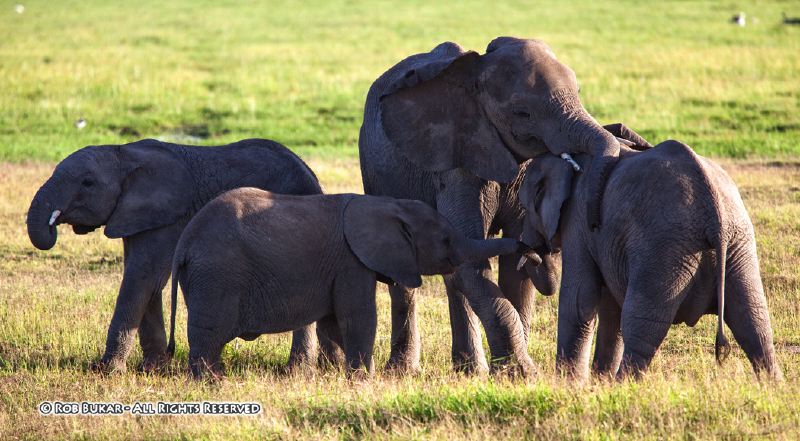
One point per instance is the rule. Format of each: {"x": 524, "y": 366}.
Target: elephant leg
{"x": 205, "y": 351}
{"x": 518, "y": 289}
{"x": 608, "y": 346}
{"x": 747, "y": 316}
{"x": 405, "y": 353}
{"x": 148, "y": 259}
{"x": 467, "y": 344}
{"x": 577, "y": 309}
{"x": 330, "y": 341}
{"x": 463, "y": 200}
{"x": 499, "y": 318}
{"x": 652, "y": 299}
{"x": 213, "y": 307}
{"x": 304, "y": 350}
{"x": 151, "y": 333}
{"x": 356, "y": 314}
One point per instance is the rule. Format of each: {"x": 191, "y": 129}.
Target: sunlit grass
{"x": 215, "y": 72}
{"x": 56, "y": 306}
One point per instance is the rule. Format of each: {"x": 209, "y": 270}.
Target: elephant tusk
{"x": 567, "y": 157}
{"x": 522, "y": 261}
{"x": 53, "y": 217}
{"x": 625, "y": 142}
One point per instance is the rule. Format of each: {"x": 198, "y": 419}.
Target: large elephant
{"x": 247, "y": 267}
{"x": 145, "y": 193}
{"x": 676, "y": 244}
{"x": 450, "y": 128}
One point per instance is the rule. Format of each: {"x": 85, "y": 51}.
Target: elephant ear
{"x": 157, "y": 189}
{"x": 545, "y": 188}
{"x": 433, "y": 117}
{"x": 375, "y": 231}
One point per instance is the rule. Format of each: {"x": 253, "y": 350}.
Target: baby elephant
{"x": 253, "y": 262}
{"x": 675, "y": 243}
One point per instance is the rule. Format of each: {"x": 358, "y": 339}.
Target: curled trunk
{"x": 42, "y": 235}
{"x": 545, "y": 276}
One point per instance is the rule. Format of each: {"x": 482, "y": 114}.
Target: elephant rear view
{"x": 253, "y": 262}
{"x": 676, "y": 243}
{"x": 145, "y": 192}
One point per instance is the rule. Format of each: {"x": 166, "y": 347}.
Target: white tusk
{"x": 625, "y": 142}
{"x": 568, "y": 158}
{"x": 53, "y": 217}
{"x": 522, "y": 261}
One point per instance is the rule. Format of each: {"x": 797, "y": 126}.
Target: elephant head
{"x": 545, "y": 188}
{"x": 486, "y": 113}
{"x": 403, "y": 239}
{"x": 129, "y": 189}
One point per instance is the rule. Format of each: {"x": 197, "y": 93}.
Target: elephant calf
{"x": 253, "y": 262}
{"x": 676, "y": 243}
{"x": 145, "y": 192}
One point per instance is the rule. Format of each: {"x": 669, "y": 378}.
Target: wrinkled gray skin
{"x": 450, "y": 128}
{"x": 253, "y": 262}
{"x": 668, "y": 216}
{"x": 145, "y": 193}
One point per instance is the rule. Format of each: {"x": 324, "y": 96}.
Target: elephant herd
{"x": 455, "y": 148}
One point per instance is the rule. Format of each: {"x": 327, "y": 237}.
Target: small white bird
{"x": 81, "y": 123}
{"x": 19, "y": 8}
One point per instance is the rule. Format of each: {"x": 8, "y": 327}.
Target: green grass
{"x": 214, "y": 72}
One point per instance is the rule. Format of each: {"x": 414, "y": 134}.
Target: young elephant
{"x": 145, "y": 192}
{"x": 253, "y": 262}
{"x": 676, "y": 243}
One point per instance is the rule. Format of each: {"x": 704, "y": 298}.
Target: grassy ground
{"x": 214, "y": 72}
{"x": 57, "y": 304}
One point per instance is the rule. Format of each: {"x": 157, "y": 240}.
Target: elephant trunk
{"x": 604, "y": 155}
{"x": 480, "y": 250}
{"x": 584, "y": 134}
{"x": 42, "y": 216}
{"x": 545, "y": 276}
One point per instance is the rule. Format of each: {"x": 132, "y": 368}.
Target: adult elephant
{"x": 145, "y": 193}
{"x": 451, "y": 127}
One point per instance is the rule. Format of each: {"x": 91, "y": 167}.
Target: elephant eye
{"x": 87, "y": 182}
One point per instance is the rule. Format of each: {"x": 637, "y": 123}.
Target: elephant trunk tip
{"x": 42, "y": 223}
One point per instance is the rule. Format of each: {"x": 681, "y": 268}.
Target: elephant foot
{"x": 108, "y": 366}
{"x": 508, "y": 367}
{"x": 467, "y": 365}
{"x": 330, "y": 358}
{"x": 202, "y": 370}
{"x": 156, "y": 363}
{"x": 401, "y": 367}
{"x": 300, "y": 364}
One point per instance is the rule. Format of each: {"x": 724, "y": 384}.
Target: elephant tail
{"x": 722, "y": 346}
{"x": 177, "y": 265}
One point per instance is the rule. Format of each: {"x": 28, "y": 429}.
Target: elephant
{"x": 145, "y": 192}
{"x": 676, "y": 244}
{"x": 453, "y": 129}
{"x": 252, "y": 262}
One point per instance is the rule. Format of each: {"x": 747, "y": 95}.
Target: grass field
{"x": 214, "y": 72}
